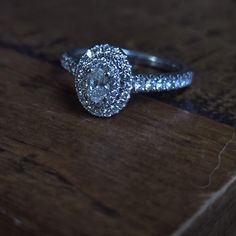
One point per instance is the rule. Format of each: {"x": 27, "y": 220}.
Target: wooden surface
{"x": 164, "y": 166}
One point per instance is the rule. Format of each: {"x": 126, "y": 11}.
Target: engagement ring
{"x": 104, "y": 78}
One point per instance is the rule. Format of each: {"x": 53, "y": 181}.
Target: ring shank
{"x": 153, "y": 61}
{"x": 177, "y": 75}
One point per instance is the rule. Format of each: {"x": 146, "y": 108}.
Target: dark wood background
{"x": 163, "y": 166}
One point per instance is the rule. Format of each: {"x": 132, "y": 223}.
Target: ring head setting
{"x": 103, "y": 80}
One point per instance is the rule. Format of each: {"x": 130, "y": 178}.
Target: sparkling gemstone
{"x": 103, "y": 82}
{"x": 99, "y": 86}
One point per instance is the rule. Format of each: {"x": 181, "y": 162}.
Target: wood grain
{"x": 154, "y": 169}
{"x": 201, "y": 33}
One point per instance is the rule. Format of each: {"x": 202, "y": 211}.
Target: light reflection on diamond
{"x": 103, "y": 81}
{"x": 98, "y": 85}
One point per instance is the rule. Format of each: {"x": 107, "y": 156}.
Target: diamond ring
{"x": 104, "y": 79}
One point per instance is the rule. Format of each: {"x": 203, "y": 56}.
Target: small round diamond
{"x": 103, "y": 80}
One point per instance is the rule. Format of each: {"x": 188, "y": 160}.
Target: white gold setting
{"x": 104, "y": 78}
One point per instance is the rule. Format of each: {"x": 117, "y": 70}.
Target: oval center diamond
{"x": 98, "y": 86}
{"x": 103, "y": 82}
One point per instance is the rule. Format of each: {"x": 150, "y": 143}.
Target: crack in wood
{"x": 31, "y": 52}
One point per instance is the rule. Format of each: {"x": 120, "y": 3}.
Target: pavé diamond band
{"x": 104, "y": 78}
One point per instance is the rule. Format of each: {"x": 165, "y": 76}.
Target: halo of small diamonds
{"x": 103, "y": 80}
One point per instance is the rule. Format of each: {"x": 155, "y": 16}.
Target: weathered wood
{"x": 154, "y": 169}
{"x": 202, "y": 33}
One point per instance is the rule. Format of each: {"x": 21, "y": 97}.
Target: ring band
{"x": 102, "y": 71}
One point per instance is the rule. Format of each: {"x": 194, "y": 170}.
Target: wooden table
{"x": 163, "y": 166}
